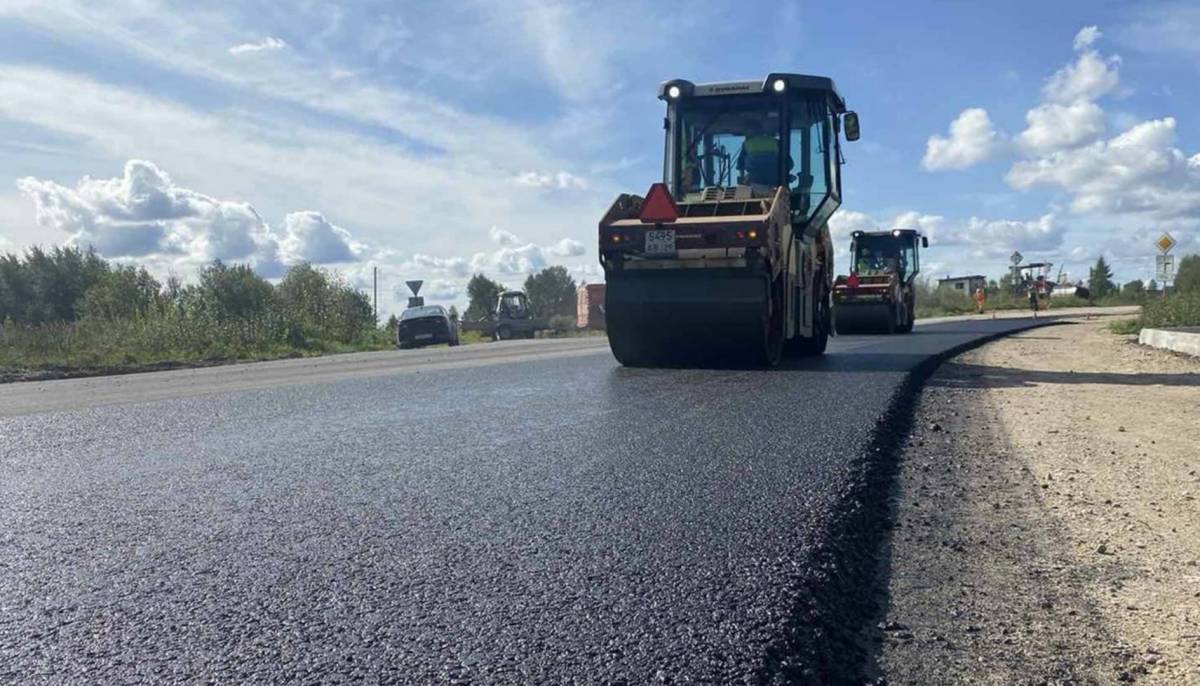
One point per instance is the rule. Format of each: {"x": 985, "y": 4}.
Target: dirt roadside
{"x": 1047, "y": 518}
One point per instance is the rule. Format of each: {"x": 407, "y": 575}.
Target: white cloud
{"x": 929, "y": 225}
{"x": 997, "y": 237}
{"x": 972, "y": 140}
{"x": 438, "y": 290}
{"x": 1138, "y": 171}
{"x": 1086, "y": 36}
{"x": 567, "y": 247}
{"x": 309, "y": 237}
{"x": 143, "y": 213}
{"x": 267, "y": 44}
{"x": 513, "y": 258}
{"x": 444, "y": 266}
{"x": 845, "y": 222}
{"x": 560, "y": 181}
{"x": 511, "y": 261}
{"x": 976, "y": 237}
{"x": 1164, "y": 28}
{"x": 364, "y": 183}
{"x": 1053, "y": 126}
{"x": 446, "y": 277}
{"x": 443, "y": 291}
{"x": 501, "y": 237}
{"x": 1088, "y": 78}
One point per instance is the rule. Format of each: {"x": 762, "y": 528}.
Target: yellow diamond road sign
{"x": 1165, "y": 243}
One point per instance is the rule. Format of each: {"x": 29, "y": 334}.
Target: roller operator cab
{"x": 728, "y": 261}
{"x": 878, "y": 296}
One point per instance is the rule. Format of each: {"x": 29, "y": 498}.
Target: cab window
{"x": 808, "y": 177}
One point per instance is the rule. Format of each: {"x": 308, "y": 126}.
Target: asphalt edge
{"x": 836, "y": 603}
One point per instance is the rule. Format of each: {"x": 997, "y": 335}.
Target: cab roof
{"x": 887, "y": 232}
{"x": 794, "y": 82}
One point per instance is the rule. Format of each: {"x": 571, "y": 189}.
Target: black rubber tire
{"x": 773, "y": 330}
{"x": 503, "y": 333}
{"x": 805, "y": 346}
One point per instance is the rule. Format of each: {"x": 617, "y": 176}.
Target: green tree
{"x": 1100, "y": 283}
{"x": 353, "y": 314}
{"x": 1152, "y": 286}
{"x": 1187, "y": 277}
{"x": 323, "y": 305}
{"x": 392, "y": 324}
{"x": 15, "y": 290}
{"x": 551, "y": 292}
{"x": 123, "y": 293}
{"x": 233, "y": 292}
{"x": 1134, "y": 290}
{"x": 482, "y": 293}
{"x": 1005, "y": 284}
{"x": 56, "y": 281}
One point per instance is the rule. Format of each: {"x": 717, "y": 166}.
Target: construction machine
{"x": 878, "y": 295}
{"x": 728, "y": 260}
{"x": 512, "y": 318}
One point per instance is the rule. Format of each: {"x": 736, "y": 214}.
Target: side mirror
{"x": 850, "y": 125}
{"x": 924, "y": 242}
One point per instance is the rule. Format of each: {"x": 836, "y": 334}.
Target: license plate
{"x": 660, "y": 242}
{"x": 423, "y": 336}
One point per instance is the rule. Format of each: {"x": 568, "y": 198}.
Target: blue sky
{"x": 437, "y": 139}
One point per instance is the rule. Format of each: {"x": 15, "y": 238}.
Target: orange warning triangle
{"x": 659, "y": 207}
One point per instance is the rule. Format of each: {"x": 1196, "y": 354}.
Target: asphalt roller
{"x": 728, "y": 261}
{"x": 878, "y": 296}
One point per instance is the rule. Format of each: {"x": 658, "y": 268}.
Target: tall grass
{"x": 126, "y": 319}
{"x": 942, "y": 302}
{"x": 172, "y": 336}
{"x": 1182, "y": 309}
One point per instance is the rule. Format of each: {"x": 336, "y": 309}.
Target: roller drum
{"x": 684, "y": 317}
{"x": 856, "y": 318}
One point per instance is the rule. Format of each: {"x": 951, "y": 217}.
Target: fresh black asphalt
{"x": 553, "y": 520}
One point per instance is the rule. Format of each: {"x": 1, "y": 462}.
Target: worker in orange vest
{"x": 980, "y": 300}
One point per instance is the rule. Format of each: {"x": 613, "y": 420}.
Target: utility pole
{"x": 375, "y": 270}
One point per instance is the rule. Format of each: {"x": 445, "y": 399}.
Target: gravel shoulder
{"x": 1047, "y": 518}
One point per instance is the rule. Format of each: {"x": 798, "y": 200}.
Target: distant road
{"x": 515, "y": 512}
{"x": 43, "y": 396}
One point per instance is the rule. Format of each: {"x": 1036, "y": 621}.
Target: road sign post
{"x": 1164, "y": 261}
{"x": 415, "y": 287}
{"x": 1016, "y": 258}
{"x": 1165, "y": 242}
{"x": 1164, "y": 268}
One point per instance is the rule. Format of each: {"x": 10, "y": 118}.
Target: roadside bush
{"x": 562, "y": 323}
{"x": 46, "y": 286}
{"x": 932, "y": 301}
{"x": 1182, "y": 309}
{"x": 1187, "y": 278}
{"x": 125, "y": 317}
{"x": 125, "y": 292}
{"x": 323, "y": 305}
